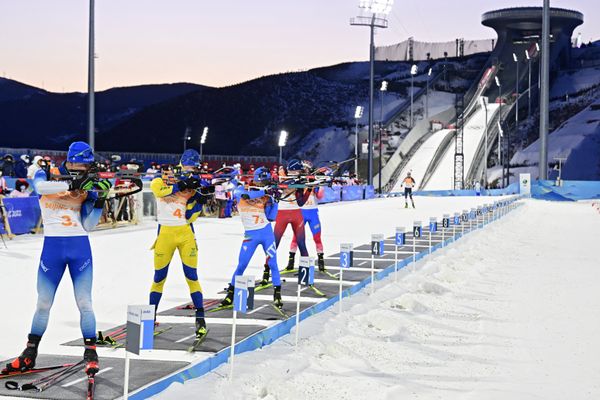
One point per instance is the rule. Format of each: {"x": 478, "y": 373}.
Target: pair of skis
{"x": 61, "y": 373}
{"x": 111, "y": 339}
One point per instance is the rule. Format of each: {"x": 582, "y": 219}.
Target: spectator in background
{"x": 21, "y": 166}
{"x": 3, "y": 186}
{"x": 21, "y": 189}
{"x": 8, "y": 165}
{"x": 35, "y": 166}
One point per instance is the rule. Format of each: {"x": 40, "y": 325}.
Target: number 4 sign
{"x": 377, "y": 245}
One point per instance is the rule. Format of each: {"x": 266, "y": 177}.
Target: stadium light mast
{"x": 427, "y": 96}
{"x": 283, "y": 136}
{"x": 500, "y": 119}
{"x": 413, "y": 72}
{"x": 357, "y": 115}
{"x": 186, "y": 137}
{"x": 91, "y": 73}
{"x": 545, "y": 93}
{"x": 516, "y": 90}
{"x": 203, "y": 139}
{"x": 483, "y": 101}
{"x": 382, "y": 90}
{"x": 377, "y": 11}
{"x": 529, "y": 83}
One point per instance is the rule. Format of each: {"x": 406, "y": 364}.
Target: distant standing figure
{"x": 409, "y": 184}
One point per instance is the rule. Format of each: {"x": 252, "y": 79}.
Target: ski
{"x": 258, "y": 288}
{"x": 317, "y": 291}
{"x": 287, "y": 271}
{"x": 33, "y": 370}
{"x": 280, "y": 311}
{"x": 328, "y": 274}
{"x": 198, "y": 342}
{"x": 220, "y": 308}
{"x": 117, "y": 345}
{"x": 207, "y": 304}
{"x": 45, "y": 382}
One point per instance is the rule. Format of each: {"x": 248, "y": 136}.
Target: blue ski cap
{"x": 80, "y": 152}
{"x": 262, "y": 174}
{"x": 294, "y": 165}
{"x": 190, "y": 158}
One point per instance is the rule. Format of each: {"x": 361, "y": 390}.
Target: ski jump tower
{"x": 516, "y": 56}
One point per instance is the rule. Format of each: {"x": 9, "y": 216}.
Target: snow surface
{"x": 123, "y": 268}
{"x": 509, "y": 312}
{"x": 571, "y": 82}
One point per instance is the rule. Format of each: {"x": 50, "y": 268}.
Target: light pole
{"x": 427, "y": 96}
{"x": 545, "y": 92}
{"x": 186, "y": 137}
{"x": 91, "y": 56}
{"x": 357, "y": 115}
{"x": 499, "y": 119}
{"x": 203, "y": 139}
{"x": 500, "y": 136}
{"x": 283, "y": 136}
{"x": 382, "y": 91}
{"x": 517, "y": 89}
{"x": 378, "y": 10}
{"x": 413, "y": 72}
{"x": 485, "y": 174}
{"x": 529, "y": 82}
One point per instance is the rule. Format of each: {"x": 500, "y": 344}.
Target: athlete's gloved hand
{"x": 103, "y": 188}
{"x": 192, "y": 183}
{"x": 182, "y": 185}
{"x": 83, "y": 183}
{"x": 274, "y": 192}
{"x": 206, "y": 190}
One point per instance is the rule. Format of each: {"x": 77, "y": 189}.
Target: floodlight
{"x": 283, "y": 138}
{"x": 537, "y": 46}
{"x": 384, "y": 86}
{"x": 515, "y": 57}
{"x": 429, "y": 72}
{"x": 413, "y": 69}
{"x": 204, "y": 134}
{"x": 377, "y": 6}
{"x": 359, "y": 112}
{"x": 500, "y": 129}
{"x": 497, "y": 81}
{"x": 527, "y": 54}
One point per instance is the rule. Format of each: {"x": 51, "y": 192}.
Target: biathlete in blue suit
{"x": 257, "y": 209}
{"x": 70, "y": 208}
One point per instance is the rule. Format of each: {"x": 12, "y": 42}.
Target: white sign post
{"x": 445, "y": 225}
{"x": 432, "y": 229}
{"x": 417, "y": 233}
{"x": 140, "y": 336}
{"x": 240, "y": 304}
{"x": 377, "y": 247}
{"x": 306, "y": 277}
{"x": 400, "y": 241}
{"x": 346, "y": 261}
{"x": 465, "y": 219}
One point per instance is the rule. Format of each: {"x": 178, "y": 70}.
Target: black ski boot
{"x": 321, "y": 262}
{"x": 26, "y": 360}
{"x": 277, "y": 302}
{"x": 228, "y": 300}
{"x": 201, "y": 330}
{"x": 90, "y": 357}
{"x": 266, "y": 276}
{"x": 291, "y": 260}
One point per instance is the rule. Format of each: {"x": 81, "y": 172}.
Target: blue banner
{"x": 332, "y": 194}
{"x": 23, "y": 213}
{"x": 351, "y": 193}
{"x": 569, "y": 191}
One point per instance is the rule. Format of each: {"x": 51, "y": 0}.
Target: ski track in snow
{"x": 510, "y": 312}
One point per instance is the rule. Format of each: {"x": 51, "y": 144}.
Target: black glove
{"x": 79, "y": 183}
{"x": 192, "y": 183}
{"x": 274, "y": 192}
{"x": 182, "y": 185}
{"x": 206, "y": 190}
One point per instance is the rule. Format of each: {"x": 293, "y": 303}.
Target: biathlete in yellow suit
{"x": 178, "y": 206}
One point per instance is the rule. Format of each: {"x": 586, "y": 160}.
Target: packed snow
{"x": 509, "y": 312}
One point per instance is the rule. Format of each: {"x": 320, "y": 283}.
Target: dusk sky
{"x": 219, "y": 43}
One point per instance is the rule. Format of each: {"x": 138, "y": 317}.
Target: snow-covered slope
{"x": 578, "y": 139}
